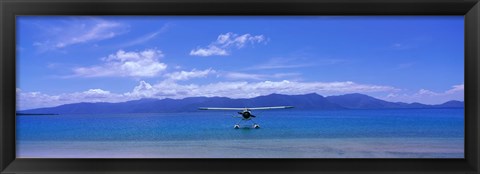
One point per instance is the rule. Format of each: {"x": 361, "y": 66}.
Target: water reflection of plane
{"x": 246, "y": 113}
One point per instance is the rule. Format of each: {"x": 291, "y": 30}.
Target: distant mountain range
{"x": 310, "y": 101}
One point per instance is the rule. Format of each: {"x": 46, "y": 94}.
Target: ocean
{"x": 293, "y": 133}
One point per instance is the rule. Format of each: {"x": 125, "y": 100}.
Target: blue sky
{"x": 66, "y": 59}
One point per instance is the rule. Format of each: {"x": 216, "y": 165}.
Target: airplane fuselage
{"x": 245, "y": 114}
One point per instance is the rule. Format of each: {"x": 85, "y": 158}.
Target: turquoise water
{"x": 428, "y": 126}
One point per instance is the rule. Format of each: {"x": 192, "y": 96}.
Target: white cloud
{"x": 242, "y": 89}
{"x": 232, "y": 39}
{"x": 429, "y": 97}
{"x": 171, "y": 89}
{"x": 211, "y": 50}
{"x": 280, "y": 66}
{"x": 80, "y": 30}
{"x": 225, "y": 42}
{"x": 185, "y": 75}
{"x": 100, "y": 31}
{"x": 126, "y": 64}
{"x": 30, "y": 100}
{"x": 142, "y": 39}
{"x": 250, "y": 76}
{"x": 96, "y": 93}
{"x": 295, "y": 62}
{"x": 247, "y": 76}
{"x": 143, "y": 90}
{"x": 146, "y": 37}
{"x": 281, "y": 63}
{"x": 163, "y": 89}
{"x": 455, "y": 89}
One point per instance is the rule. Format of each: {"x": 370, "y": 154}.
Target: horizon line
{"x": 246, "y": 98}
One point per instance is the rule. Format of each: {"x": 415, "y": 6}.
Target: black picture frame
{"x": 9, "y": 9}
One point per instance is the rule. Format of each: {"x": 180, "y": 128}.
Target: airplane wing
{"x": 241, "y": 109}
{"x": 272, "y": 107}
{"x": 228, "y": 109}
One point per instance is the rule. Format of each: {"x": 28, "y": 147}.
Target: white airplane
{"x": 246, "y": 113}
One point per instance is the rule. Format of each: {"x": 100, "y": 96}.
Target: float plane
{"x": 246, "y": 113}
